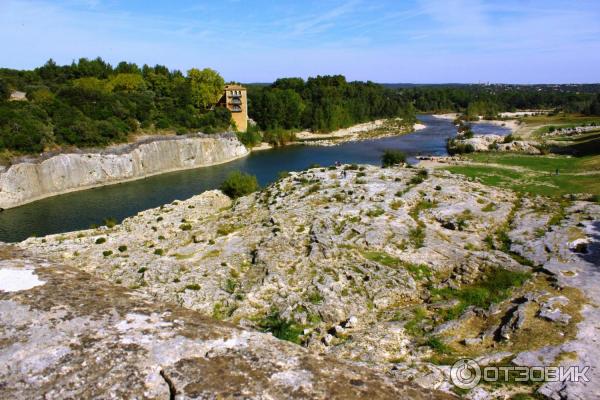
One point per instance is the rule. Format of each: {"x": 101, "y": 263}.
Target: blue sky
{"x": 420, "y": 41}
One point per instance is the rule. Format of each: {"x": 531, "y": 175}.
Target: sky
{"x": 412, "y": 41}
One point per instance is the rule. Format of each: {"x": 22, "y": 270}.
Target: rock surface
{"x": 30, "y": 181}
{"x": 496, "y": 143}
{"x": 384, "y": 267}
{"x": 77, "y": 336}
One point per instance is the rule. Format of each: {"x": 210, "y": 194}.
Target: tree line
{"x": 322, "y": 104}
{"x": 91, "y": 103}
{"x": 490, "y": 100}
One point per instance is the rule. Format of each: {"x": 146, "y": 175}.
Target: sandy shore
{"x": 369, "y": 130}
{"x": 450, "y": 116}
{"x": 342, "y": 133}
{"x": 262, "y": 146}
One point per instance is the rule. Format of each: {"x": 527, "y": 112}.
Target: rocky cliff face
{"x": 26, "y": 182}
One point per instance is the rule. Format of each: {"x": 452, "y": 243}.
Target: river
{"x": 79, "y": 210}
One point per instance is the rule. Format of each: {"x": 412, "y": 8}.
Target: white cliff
{"x": 29, "y": 181}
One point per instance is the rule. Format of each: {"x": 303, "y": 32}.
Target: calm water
{"x": 79, "y": 210}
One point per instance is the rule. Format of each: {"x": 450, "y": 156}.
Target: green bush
{"x": 392, "y": 157}
{"x": 109, "y": 222}
{"x": 159, "y": 252}
{"x": 100, "y": 240}
{"x": 239, "y": 184}
{"x": 192, "y": 286}
{"x": 281, "y": 328}
{"x": 185, "y": 227}
{"x": 251, "y": 137}
{"x": 107, "y": 253}
{"x": 122, "y": 248}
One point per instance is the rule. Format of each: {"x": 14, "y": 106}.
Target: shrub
{"x": 239, "y": 184}
{"x": 122, "y": 248}
{"x": 376, "y": 212}
{"x": 437, "y": 345}
{"x": 315, "y": 297}
{"x": 250, "y": 138}
{"x": 159, "y": 252}
{"x": 415, "y": 180}
{"x": 100, "y": 240}
{"x": 185, "y": 227}
{"x": 107, "y": 253}
{"x": 392, "y": 157}
{"x": 468, "y": 134}
{"x": 314, "y": 188}
{"x": 109, "y": 222}
{"x": 192, "y": 286}
{"x": 417, "y": 236}
{"x": 281, "y": 328}
{"x": 508, "y": 138}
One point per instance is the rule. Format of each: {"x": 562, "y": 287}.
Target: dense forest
{"x": 489, "y": 100}
{"x": 324, "y": 104}
{"x": 90, "y": 103}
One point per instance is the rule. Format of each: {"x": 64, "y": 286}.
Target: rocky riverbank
{"x": 28, "y": 181}
{"x": 485, "y": 143}
{"x": 403, "y": 269}
{"x": 368, "y": 130}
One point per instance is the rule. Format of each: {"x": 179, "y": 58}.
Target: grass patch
{"x": 375, "y": 212}
{"x": 493, "y": 288}
{"x": 537, "y": 174}
{"x": 192, "y": 286}
{"x": 226, "y": 229}
{"x": 418, "y": 271}
{"x": 417, "y": 236}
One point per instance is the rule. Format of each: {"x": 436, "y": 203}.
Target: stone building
{"x": 236, "y": 101}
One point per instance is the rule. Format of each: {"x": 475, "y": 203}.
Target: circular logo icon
{"x": 465, "y": 373}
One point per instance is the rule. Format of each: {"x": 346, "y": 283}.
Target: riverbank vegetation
{"x": 323, "y": 104}
{"x": 91, "y": 103}
{"x": 490, "y": 100}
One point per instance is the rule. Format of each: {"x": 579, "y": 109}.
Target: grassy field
{"x": 535, "y": 174}
{"x": 535, "y": 126}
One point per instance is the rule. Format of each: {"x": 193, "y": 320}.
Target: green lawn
{"x": 535, "y": 174}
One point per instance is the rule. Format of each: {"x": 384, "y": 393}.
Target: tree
{"x": 4, "y": 90}
{"x": 127, "y": 68}
{"x": 127, "y": 82}
{"x": 206, "y": 87}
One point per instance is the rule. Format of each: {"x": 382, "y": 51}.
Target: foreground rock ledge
{"x": 78, "y": 336}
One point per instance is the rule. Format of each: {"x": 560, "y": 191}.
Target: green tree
{"x": 127, "y": 82}
{"x": 206, "y": 87}
{"x": 4, "y": 90}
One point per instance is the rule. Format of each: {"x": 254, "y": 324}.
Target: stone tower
{"x": 236, "y": 101}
